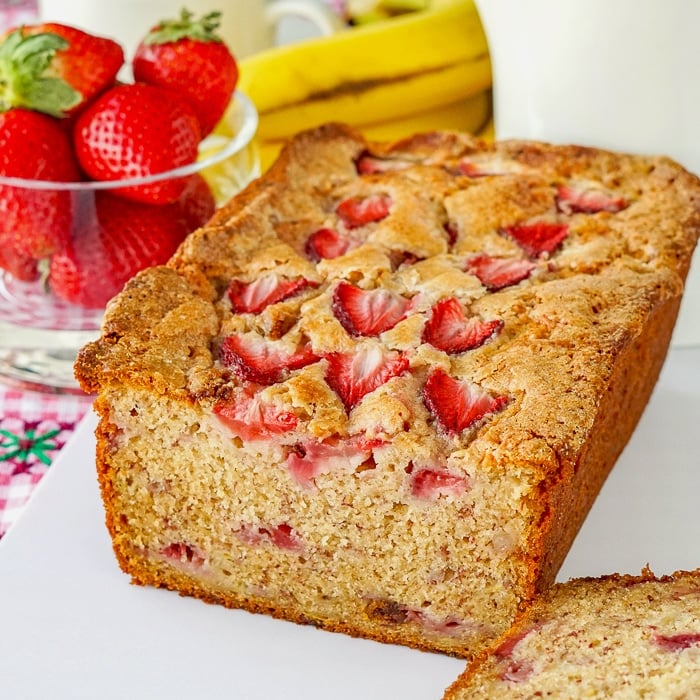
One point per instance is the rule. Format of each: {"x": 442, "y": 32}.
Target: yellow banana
{"x": 466, "y": 115}
{"x": 469, "y": 115}
{"x": 381, "y": 101}
{"x": 411, "y": 46}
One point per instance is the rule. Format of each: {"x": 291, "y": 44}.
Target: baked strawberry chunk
{"x": 368, "y": 312}
{"x": 282, "y": 536}
{"x": 430, "y": 484}
{"x": 587, "y": 201}
{"x": 359, "y": 211}
{"x": 677, "y": 642}
{"x": 255, "y": 359}
{"x": 251, "y": 419}
{"x": 353, "y": 375}
{"x": 450, "y": 330}
{"x": 310, "y": 459}
{"x": 183, "y": 553}
{"x": 370, "y": 165}
{"x": 326, "y": 244}
{"x": 457, "y": 405}
{"x": 498, "y": 273}
{"x": 253, "y": 297}
{"x": 539, "y": 237}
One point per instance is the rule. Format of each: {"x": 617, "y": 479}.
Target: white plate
{"x": 71, "y": 625}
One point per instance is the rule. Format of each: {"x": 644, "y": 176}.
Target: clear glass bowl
{"x": 40, "y": 332}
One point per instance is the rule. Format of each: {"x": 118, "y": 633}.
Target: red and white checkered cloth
{"x": 33, "y": 429}
{"x": 13, "y": 13}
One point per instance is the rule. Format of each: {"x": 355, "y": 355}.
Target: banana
{"x": 469, "y": 114}
{"x": 441, "y": 42}
{"x": 382, "y": 101}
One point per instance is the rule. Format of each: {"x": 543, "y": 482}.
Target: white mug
{"x": 618, "y": 74}
{"x": 247, "y": 26}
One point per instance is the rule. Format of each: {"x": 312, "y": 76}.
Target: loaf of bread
{"x": 612, "y": 637}
{"x": 380, "y": 390}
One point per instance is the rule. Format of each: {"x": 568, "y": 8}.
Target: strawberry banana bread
{"x": 613, "y": 637}
{"x": 380, "y": 390}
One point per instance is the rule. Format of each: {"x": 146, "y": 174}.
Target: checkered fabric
{"x": 16, "y": 12}
{"x": 33, "y": 429}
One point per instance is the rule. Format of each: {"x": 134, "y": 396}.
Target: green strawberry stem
{"x": 171, "y": 30}
{"x": 25, "y": 79}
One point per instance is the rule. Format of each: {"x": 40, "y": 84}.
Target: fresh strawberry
{"x": 135, "y": 131}
{"x": 188, "y": 56}
{"x": 352, "y": 375}
{"x": 359, "y": 211}
{"x": 430, "y": 484}
{"x": 56, "y": 69}
{"x": 34, "y": 222}
{"x": 457, "y": 405}
{"x": 325, "y": 244}
{"x": 370, "y": 165}
{"x": 368, "y": 312}
{"x": 111, "y": 245}
{"x": 587, "y": 201}
{"x": 538, "y": 237}
{"x": 310, "y": 459}
{"x": 497, "y": 273}
{"x": 449, "y": 329}
{"x": 197, "y": 202}
{"x": 253, "y": 297}
{"x": 255, "y": 359}
{"x": 19, "y": 265}
{"x": 253, "y": 420}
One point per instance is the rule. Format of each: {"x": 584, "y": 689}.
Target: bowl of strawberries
{"x": 101, "y": 177}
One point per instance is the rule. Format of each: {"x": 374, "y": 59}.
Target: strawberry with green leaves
{"x": 188, "y": 56}
{"x": 34, "y": 222}
{"x": 111, "y": 245}
{"x": 136, "y": 130}
{"x": 55, "y": 69}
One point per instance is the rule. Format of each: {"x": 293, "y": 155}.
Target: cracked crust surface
{"x": 578, "y": 352}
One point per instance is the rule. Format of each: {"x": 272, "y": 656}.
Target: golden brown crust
{"x": 579, "y": 346}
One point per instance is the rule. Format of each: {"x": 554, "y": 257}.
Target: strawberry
{"x": 430, "y": 484}
{"x": 197, "y": 202}
{"x": 19, "y": 265}
{"x": 471, "y": 169}
{"x": 34, "y": 222}
{"x": 251, "y": 419}
{"x": 135, "y": 131}
{"x": 457, "y": 405}
{"x": 112, "y": 244}
{"x": 452, "y": 233}
{"x": 497, "y": 273}
{"x": 368, "y": 312}
{"x": 325, "y": 244}
{"x": 370, "y": 165}
{"x": 359, "y": 211}
{"x": 253, "y": 297}
{"x": 255, "y": 359}
{"x": 449, "y": 329}
{"x": 352, "y": 375}
{"x": 676, "y": 642}
{"x": 56, "y": 69}
{"x": 310, "y": 459}
{"x": 538, "y": 237}
{"x": 571, "y": 201}
{"x": 282, "y": 536}
{"x": 188, "y": 56}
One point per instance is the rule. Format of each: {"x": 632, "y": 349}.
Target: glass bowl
{"x": 48, "y": 310}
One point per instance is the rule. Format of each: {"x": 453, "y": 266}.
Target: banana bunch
{"x": 419, "y": 71}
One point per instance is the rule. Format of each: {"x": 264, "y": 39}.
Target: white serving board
{"x": 72, "y": 626}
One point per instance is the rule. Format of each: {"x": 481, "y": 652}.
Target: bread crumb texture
{"x": 380, "y": 390}
{"x": 615, "y": 637}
